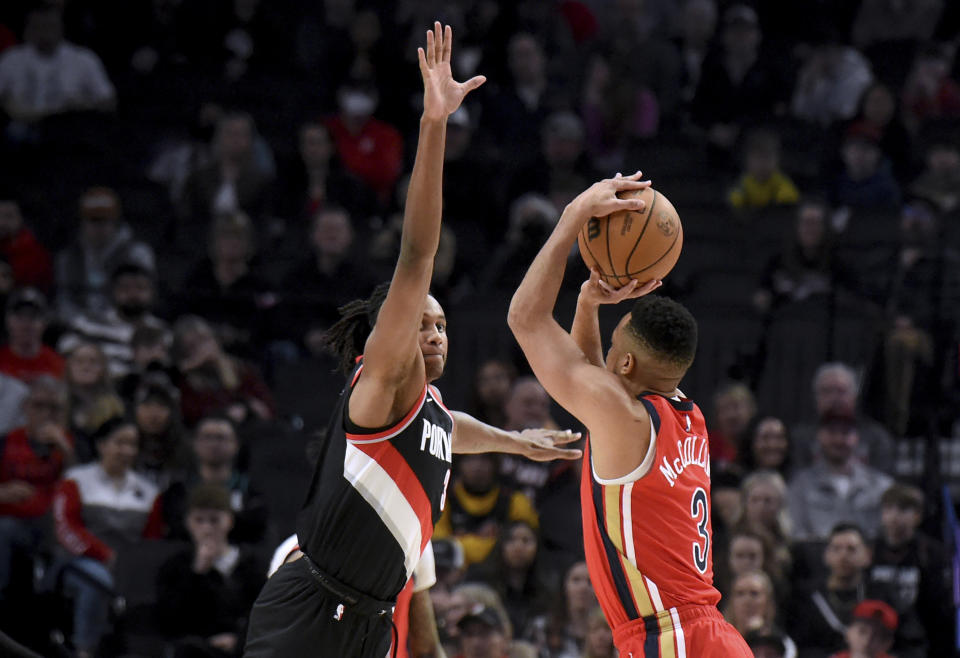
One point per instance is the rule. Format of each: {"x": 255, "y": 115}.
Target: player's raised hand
{"x": 595, "y": 291}
{"x": 541, "y": 444}
{"x": 442, "y": 94}
{"x": 600, "y": 199}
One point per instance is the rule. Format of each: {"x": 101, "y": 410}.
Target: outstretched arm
{"x": 472, "y": 436}
{"x": 393, "y": 364}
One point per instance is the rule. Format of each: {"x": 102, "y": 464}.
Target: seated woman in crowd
{"x": 767, "y": 446}
{"x": 752, "y": 606}
{"x": 562, "y": 632}
{"x": 765, "y": 513}
{"x": 92, "y": 397}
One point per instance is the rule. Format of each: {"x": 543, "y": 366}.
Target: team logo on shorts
{"x": 338, "y": 615}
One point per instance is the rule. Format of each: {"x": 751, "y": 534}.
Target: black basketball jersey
{"x": 376, "y": 494}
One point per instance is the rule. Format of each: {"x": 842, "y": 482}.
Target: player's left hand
{"x": 595, "y": 291}
{"x": 541, "y": 445}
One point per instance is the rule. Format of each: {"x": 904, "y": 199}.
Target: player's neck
{"x": 664, "y": 387}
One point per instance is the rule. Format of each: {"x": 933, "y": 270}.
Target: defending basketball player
{"x": 645, "y": 491}
{"x": 381, "y": 476}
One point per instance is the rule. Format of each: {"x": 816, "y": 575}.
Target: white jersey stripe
{"x": 627, "y": 514}
{"x": 678, "y": 634}
{"x": 382, "y": 494}
{"x": 654, "y": 595}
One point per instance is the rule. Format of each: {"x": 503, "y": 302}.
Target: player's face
{"x": 433, "y": 338}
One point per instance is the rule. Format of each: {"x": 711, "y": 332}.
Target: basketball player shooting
{"x": 381, "y": 479}
{"x": 645, "y": 489}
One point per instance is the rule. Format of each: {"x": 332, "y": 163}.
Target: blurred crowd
{"x": 190, "y": 189}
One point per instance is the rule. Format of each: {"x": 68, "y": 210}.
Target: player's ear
{"x": 628, "y": 363}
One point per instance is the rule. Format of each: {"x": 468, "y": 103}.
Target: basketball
{"x": 633, "y": 245}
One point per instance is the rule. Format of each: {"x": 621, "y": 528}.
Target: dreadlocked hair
{"x": 348, "y": 335}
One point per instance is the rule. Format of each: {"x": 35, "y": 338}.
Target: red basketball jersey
{"x": 647, "y": 535}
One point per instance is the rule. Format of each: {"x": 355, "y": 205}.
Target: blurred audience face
{"x": 147, "y": 354}
{"x": 209, "y": 526}
{"x": 215, "y": 442}
{"x": 11, "y": 220}
{"x": 861, "y": 158}
{"x": 846, "y": 555}
{"x": 727, "y": 501}
{"x": 942, "y": 160}
{"x": 332, "y": 233}
{"x": 478, "y": 473}
{"x": 918, "y": 224}
{"x": 519, "y": 546}
{"x": 770, "y": 444}
{"x": 44, "y": 404}
{"x": 25, "y": 327}
{"x": 316, "y": 148}
{"x": 746, "y": 554}
{"x": 528, "y": 405}
{"x": 762, "y": 504}
{"x": 231, "y": 256}
{"x": 153, "y": 417}
{"x": 734, "y": 409}
{"x": 133, "y": 294}
{"x": 835, "y": 392}
{"x": 357, "y": 103}
{"x": 525, "y": 60}
{"x": 741, "y": 39}
{"x": 493, "y": 383}
{"x": 97, "y": 232}
{"x": 879, "y": 105}
{"x": 86, "y": 366}
{"x": 235, "y": 138}
{"x": 899, "y": 523}
{"x": 811, "y": 225}
{"x": 699, "y": 22}
{"x": 199, "y": 342}
{"x": 480, "y": 640}
{"x": 119, "y": 450}
{"x": 837, "y": 442}
{"x": 867, "y": 638}
{"x": 751, "y": 601}
{"x": 763, "y": 162}
{"x": 44, "y": 30}
{"x": 577, "y": 588}
{"x": 599, "y": 640}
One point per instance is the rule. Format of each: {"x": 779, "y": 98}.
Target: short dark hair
{"x": 846, "y": 526}
{"x": 665, "y": 327}
{"x": 217, "y": 417}
{"x": 903, "y": 496}
{"x": 209, "y": 496}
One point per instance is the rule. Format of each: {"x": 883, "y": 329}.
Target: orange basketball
{"x": 633, "y": 245}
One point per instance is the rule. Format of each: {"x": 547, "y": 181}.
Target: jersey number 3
{"x": 700, "y": 511}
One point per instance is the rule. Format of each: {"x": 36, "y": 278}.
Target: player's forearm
{"x": 471, "y": 436}
{"x": 534, "y": 300}
{"x": 586, "y": 331}
{"x": 422, "y": 213}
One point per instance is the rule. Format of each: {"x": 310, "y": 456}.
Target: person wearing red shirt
{"x": 32, "y": 459}
{"x": 25, "y": 356}
{"x": 369, "y": 148}
{"x": 29, "y": 260}
{"x": 870, "y": 633}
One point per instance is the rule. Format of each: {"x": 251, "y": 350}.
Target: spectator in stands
{"x": 733, "y": 407}
{"x": 527, "y": 407}
{"x": 210, "y": 380}
{"x": 464, "y": 599}
{"x": 132, "y": 301}
{"x": 831, "y": 81}
{"x": 100, "y": 509}
{"x": 204, "y": 594}
{"x": 482, "y": 634}
{"x": 371, "y": 149}
{"x": 697, "y": 28}
{"x": 332, "y": 275}
{"x": 317, "y": 179}
{"x": 838, "y": 488}
{"x": 767, "y": 645}
{"x": 531, "y": 218}
{"x": 93, "y": 400}
{"x": 563, "y": 630}
{"x": 866, "y": 178}
{"x": 515, "y": 569}
{"x": 736, "y": 85}
{"x": 929, "y": 92}
{"x": 479, "y": 507}
{"x": 746, "y": 551}
{"x": 216, "y": 453}
{"x": 32, "y": 459}
{"x": 765, "y": 514}
{"x": 48, "y": 75}
{"x": 151, "y": 354}
{"x": 880, "y": 114}
{"x": 599, "y": 642}
{"x": 29, "y": 260}
{"x": 13, "y": 393}
{"x": 753, "y": 607}
{"x": 914, "y": 567}
{"x": 822, "y": 612}
{"x": 836, "y": 392}
{"x": 237, "y": 178}
{"x": 870, "y": 633}
{"x": 939, "y": 181}
{"x": 227, "y": 289}
{"x": 105, "y": 242}
{"x": 762, "y": 183}
{"x": 164, "y": 455}
{"x": 491, "y": 389}
{"x": 807, "y": 267}
{"x": 25, "y": 356}
{"x": 767, "y": 446}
